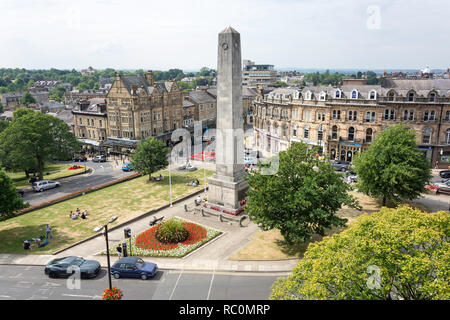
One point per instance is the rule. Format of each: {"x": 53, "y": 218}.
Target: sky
{"x": 160, "y": 35}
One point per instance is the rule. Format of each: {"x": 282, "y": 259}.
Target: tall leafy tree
{"x": 150, "y": 156}
{"x": 38, "y": 136}
{"x": 27, "y": 99}
{"x": 394, "y": 254}
{"x": 301, "y": 198}
{"x": 9, "y": 199}
{"x": 393, "y": 167}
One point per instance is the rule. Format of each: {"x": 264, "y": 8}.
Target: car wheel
{"x": 144, "y": 277}
{"x": 116, "y": 276}
{"x": 52, "y": 275}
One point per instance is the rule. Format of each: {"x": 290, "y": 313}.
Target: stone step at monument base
{"x": 208, "y": 210}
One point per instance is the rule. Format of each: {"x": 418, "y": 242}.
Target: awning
{"x": 91, "y": 142}
{"x": 120, "y": 143}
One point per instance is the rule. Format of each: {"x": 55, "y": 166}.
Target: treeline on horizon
{"x": 20, "y": 79}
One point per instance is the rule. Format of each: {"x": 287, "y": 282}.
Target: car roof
{"x": 128, "y": 260}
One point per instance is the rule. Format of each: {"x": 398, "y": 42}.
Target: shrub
{"x": 172, "y": 231}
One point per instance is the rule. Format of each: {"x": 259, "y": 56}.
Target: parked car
{"x": 340, "y": 165}
{"x": 250, "y": 161}
{"x": 445, "y": 174}
{"x": 100, "y": 158}
{"x": 64, "y": 267}
{"x": 80, "y": 158}
{"x": 133, "y": 267}
{"x": 42, "y": 185}
{"x": 443, "y": 187}
{"x": 127, "y": 167}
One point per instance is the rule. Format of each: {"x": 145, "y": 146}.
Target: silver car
{"x": 42, "y": 185}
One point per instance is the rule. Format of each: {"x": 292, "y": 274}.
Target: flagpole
{"x": 170, "y": 182}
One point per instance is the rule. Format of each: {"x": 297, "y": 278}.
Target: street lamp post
{"x": 170, "y": 181}
{"x": 105, "y": 228}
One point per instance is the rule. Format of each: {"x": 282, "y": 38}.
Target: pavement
{"x": 213, "y": 256}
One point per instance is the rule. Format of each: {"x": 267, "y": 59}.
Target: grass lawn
{"x": 56, "y": 171}
{"x": 266, "y": 245}
{"x": 125, "y": 200}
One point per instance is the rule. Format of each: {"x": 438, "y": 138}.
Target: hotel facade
{"x": 344, "y": 120}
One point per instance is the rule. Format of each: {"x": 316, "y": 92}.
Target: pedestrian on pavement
{"x": 119, "y": 251}
{"x": 48, "y": 232}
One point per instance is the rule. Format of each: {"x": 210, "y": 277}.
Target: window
{"x": 432, "y": 97}
{"x": 350, "y": 115}
{"x": 334, "y": 132}
{"x": 426, "y": 137}
{"x": 351, "y": 134}
{"x": 386, "y": 114}
{"x": 447, "y": 136}
{"x": 284, "y": 129}
{"x": 391, "y": 96}
{"x": 323, "y": 96}
{"x": 338, "y": 94}
{"x": 275, "y": 128}
{"x": 411, "y": 115}
{"x": 392, "y": 115}
{"x": 425, "y": 115}
{"x": 295, "y": 114}
{"x": 306, "y": 132}
{"x": 405, "y": 115}
{"x": 369, "y": 133}
{"x": 320, "y": 133}
{"x": 321, "y": 116}
{"x": 411, "y": 96}
{"x": 294, "y": 129}
{"x": 308, "y": 95}
{"x": 373, "y": 117}
{"x": 447, "y": 116}
{"x": 355, "y": 94}
{"x": 367, "y": 116}
{"x": 432, "y": 115}
{"x": 372, "y": 95}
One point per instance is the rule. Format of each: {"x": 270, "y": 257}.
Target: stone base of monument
{"x": 224, "y": 215}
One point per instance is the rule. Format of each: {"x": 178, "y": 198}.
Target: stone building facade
{"x": 344, "y": 120}
{"x": 91, "y": 123}
{"x": 138, "y": 107}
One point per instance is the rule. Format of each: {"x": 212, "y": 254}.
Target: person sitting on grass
{"x": 74, "y": 215}
{"x": 83, "y": 215}
{"x": 26, "y": 245}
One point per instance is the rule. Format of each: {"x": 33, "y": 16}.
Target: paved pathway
{"x": 212, "y": 256}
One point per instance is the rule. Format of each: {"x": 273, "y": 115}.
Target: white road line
{"x": 176, "y": 283}
{"x": 81, "y": 296}
{"x": 210, "y": 285}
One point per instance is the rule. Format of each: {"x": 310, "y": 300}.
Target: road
{"x": 30, "y": 283}
{"x": 102, "y": 172}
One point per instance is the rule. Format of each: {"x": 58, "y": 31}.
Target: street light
{"x": 105, "y": 227}
{"x": 170, "y": 181}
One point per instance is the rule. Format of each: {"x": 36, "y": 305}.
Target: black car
{"x": 133, "y": 267}
{"x": 79, "y": 159}
{"x": 445, "y": 174}
{"x": 64, "y": 267}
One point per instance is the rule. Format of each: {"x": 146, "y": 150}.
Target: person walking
{"x": 119, "y": 251}
{"x": 48, "y": 232}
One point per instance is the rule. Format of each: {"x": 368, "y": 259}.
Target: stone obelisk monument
{"x": 227, "y": 186}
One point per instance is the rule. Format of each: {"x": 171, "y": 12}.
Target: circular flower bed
{"x": 149, "y": 240}
{"x": 114, "y": 294}
{"x": 147, "y": 244}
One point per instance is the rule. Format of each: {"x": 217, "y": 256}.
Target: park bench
{"x": 155, "y": 221}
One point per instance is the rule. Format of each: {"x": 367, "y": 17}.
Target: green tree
{"x": 9, "y": 199}
{"x": 150, "y": 156}
{"x": 388, "y": 255}
{"x": 39, "y": 136}
{"x": 27, "y": 99}
{"x": 393, "y": 168}
{"x": 301, "y": 198}
{"x": 1, "y": 107}
{"x": 3, "y": 125}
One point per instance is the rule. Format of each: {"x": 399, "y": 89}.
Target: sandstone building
{"x": 344, "y": 120}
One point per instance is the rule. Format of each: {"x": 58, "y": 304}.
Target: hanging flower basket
{"x": 113, "y": 294}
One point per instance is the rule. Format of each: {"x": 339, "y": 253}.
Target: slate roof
{"x": 201, "y": 96}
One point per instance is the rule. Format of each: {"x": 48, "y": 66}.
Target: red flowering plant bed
{"x": 113, "y": 294}
{"x": 147, "y": 244}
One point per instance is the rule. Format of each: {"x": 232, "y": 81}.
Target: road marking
{"x": 24, "y": 284}
{"x": 19, "y": 275}
{"x": 210, "y": 285}
{"x": 176, "y": 283}
{"x": 2, "y": 296}
{"x": 81, "y": 296}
